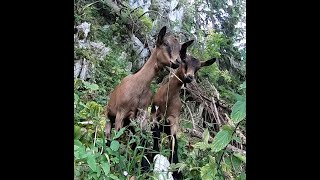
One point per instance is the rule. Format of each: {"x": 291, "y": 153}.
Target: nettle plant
{"x": 211, "y": 160}
{"x": 92, "y": 158}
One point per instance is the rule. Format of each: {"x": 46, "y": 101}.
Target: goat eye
{"x": 165, "y": 44}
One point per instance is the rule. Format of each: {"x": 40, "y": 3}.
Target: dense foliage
{"x": 215, "y": 26}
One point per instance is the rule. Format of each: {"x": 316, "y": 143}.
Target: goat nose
{"x": 190, "y": 77}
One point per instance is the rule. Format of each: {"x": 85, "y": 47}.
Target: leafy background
{"x": 107, "y": 53}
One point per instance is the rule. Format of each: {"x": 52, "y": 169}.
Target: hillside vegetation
{"x": 113, "y": 39}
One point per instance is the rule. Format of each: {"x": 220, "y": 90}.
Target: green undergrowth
{"x": 199, "y": 158}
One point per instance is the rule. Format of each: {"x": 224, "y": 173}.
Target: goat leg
{"x": 174, "y": 122}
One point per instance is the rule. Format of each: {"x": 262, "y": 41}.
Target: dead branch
{"x": 193, "y": 126}
{"x": 198, "y": 94}
{"x": 216, "y": 111}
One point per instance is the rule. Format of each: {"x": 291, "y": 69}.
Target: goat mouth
{"x": 174, "y": 66}
{"x": 187, "y": 80}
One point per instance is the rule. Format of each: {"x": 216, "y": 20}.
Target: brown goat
{"x": 134, "y": 93}
{"x": 167, "y": 103}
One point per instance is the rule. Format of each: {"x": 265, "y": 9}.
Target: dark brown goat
{"x": 133, "y": 93}
{"x": 167, "y": 102}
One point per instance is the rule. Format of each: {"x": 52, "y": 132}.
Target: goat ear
{"x": 161, "y": 35}
{"x": 208, "y": 62}
{"x": 183, "y": 51}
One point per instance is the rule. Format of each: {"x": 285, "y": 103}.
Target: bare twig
{"x": 86, "y": 122}
{"x": 216, "y": 111}
{"x": 95, "y": 136}
{"x": 215, "y": 89}
{"x": 193, "y": 126}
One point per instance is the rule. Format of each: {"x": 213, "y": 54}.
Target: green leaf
{"x": 239, "y": 97}
{"x": 240, "y": 156}
{"x": 212, "y": 160}
{"x": 119, "y": 133}
{"x": 206, "y": 136}
{"x": 208, "y": 172}
{"x": 113, "y": 177}
{"x": 188, "y": 125}
{"x": 92, "y": 162}
{"x": 237, "y": 139}
{"x": 98, "y": 171}
{"x": 91, "y": 86}
{"x": 77, "y": 143}
{"x": 242, "y": 176}
{"x": 115, "y": 145}
{"x": 238, "y": 111}
{"x": 178, "y": 166}
{"x": 222, "y": 139}
{"x": 243, "y": 85}
{"x": 76, "y": 97}
{"x": 201, "y": 145}
{"x": 106, "y": 168}
{"x": 77, "y": 132}
{"x": 77, "y": 155}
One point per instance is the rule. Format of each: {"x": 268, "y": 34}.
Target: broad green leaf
{"x": 115, "y": 160}
{"x": 77, "y": 143}
{"x": 98, "y": 171}
{"x": 239, "y": 97}
{"x": 91, "y": 86}
{"x": 242, "y": 176}
{"x": 206, "y": 136}
{"x": 119, "y": 133}
{"x": 188, "y": 125}
{"x": 177, "y": 166}
{"x": 83, "y": 154}
{"x": 237, "y": 139}
{"x": 208, "y": 172}
{"x": 77, "y": 171}
{"x": 75, "y": 147}
{"x": 92, "y": 162}
{"x": 76, "y": 98}
{"x": 115, "y": 145}
{"x": 212, "y": 160}
{"x": 235, "y": 163}
{"x": 222, "y": 139}
{"x": 77, "y": 132}
{"x": 77, "y": 155}
{"x": 240, "y": 156}
{"x": 106, "y": 168}
{"x": 113, "y": 177}
{"x": 238, "y": 111}
{"x": 201, "y": 145}
{"x": 243, "y": 85}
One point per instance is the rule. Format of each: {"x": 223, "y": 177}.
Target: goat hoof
{"x": 145, "y": 166}
{"x": 108, "y": 143}
{"x": 177, "y": 175}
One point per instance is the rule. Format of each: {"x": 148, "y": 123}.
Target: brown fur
{"x": 167, "y": 103}
{"x": 169, "y": 92}
{"x": 134, "y": 92}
